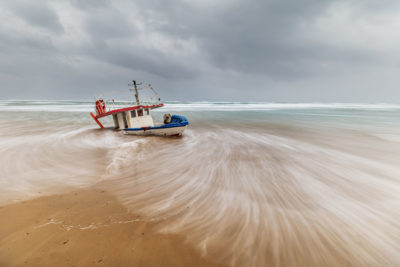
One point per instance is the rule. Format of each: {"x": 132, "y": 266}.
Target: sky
{"x": 202, "y": 50}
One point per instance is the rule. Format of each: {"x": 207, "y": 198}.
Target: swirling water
{"x": 249, "y": 184}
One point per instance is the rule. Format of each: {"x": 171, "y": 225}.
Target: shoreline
{"x": 87, "y": 228}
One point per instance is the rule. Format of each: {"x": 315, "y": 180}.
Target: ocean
{"x": 248, "y": 184}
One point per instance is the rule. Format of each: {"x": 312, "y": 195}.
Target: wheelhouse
{"x": 135, "y": 118}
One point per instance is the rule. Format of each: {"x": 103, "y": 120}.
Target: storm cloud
{"x": 254, "y": 50}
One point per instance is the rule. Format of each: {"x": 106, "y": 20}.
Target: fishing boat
{"x": 137, "y": 118}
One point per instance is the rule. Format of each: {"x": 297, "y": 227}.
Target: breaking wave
{"x": 81, "y": 106}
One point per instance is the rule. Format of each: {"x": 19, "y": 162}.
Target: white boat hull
{"x": 174, "y": 131}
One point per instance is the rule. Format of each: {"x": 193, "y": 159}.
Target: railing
{"x": 112, "y": 104}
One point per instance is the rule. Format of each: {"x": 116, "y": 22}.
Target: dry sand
{"x": 86, "y": 228}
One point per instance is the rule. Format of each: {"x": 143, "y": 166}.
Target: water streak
{"x": 305, "y": 186}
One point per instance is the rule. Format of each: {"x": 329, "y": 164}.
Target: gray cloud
{"x": 37, "y": 13}
{"x": 256, "y": 36}
{"x": 304, "y": 50}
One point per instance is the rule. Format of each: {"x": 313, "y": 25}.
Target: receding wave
{"x": 246, "y": 189}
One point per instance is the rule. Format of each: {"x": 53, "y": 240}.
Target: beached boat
{"x": 137, "y": 119}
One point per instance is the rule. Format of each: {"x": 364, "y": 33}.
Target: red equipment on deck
{"x": 100, "y": 107}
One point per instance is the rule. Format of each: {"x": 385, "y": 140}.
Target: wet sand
{"x": 87, "y": 228}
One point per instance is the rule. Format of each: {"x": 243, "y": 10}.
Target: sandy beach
{"x": 87, "y": 228}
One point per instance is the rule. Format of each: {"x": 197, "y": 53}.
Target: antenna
{"x": 136, "y": 91}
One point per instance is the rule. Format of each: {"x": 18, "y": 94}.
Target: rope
{"x": 112, "y": 103}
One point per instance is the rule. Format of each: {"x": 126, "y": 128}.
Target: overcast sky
{"x": 237, "y": 50}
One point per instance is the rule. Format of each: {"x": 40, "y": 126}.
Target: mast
{"x": 136, "y": 93}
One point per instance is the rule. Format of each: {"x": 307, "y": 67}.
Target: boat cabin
{"x": 135, "y": 118}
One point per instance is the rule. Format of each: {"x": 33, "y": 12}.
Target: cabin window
{"x": 147, "y": 111}
{"x": 133, "y": 113}
{"x": 140, "y": 112}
